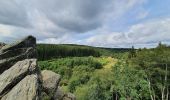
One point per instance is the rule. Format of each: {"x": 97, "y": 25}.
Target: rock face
{"x": 29, "y": 41}
{"x": 59, "y": 95}
{"x": 10, "y": 54}
{"x": 16, "y": 73}
{"x": 19, "y": 73}
{"x": 50, "y": 82}
{"x": 20, "y": 77}
{"x": 24, "y": 90}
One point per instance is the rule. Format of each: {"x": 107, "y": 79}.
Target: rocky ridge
{"x": 21, "y": 78}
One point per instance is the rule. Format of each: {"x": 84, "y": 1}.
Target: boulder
{"x": 59, "y": 94}
{"x": 16, "y": 73}
{"x": 19, "y": 73}
{"x": 27, "y": 89}
{"x": 10, "y": 54}
{"x": 20, "y": 77}
{"x": 50, "y": 82}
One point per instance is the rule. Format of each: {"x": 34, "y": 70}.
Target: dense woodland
{"x": 50, "y": 51}
{"x": 102, "y": 74}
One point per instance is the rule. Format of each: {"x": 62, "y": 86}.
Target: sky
{"x": 101, "y": 23}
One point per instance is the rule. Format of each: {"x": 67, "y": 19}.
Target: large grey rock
{"x": 10, "y": 54}
{"x": 24, "y": 52}
{"x": 16, "y": 73}
{"x": 20, "y": 77}
{"x": 59, "y": 94}
{"x": 50, "y": 82}
{"x": 8, "y": 62}
{"x": 27, "y": 89}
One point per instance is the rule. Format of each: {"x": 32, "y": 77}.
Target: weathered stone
{"x": 7, "y": 60}
{"x": 59, "y": 94}
{"x": 50, "y": 82}
{"x": 16, "y": 73}
{"x": 10, "y": 54}
{"x": 29, "y": 41}
{"x": 28, "y": 52}
{"x": 27, "y": 89}
{"x": 20, "y": 77}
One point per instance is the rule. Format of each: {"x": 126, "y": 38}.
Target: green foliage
{"x": 50, "y": 51}
{"x": 80, "y": 76}
{"x": 129, "y": 83}
{"x": 69, "y": 66}
{"x": 155, "y": 62}
{"x": 140, "y": 74}
{"x": 97, "y": 88}
{"x": 132, "y": 52}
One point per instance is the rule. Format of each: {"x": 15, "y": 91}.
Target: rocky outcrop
{"x": 59, "y": 94}
{"x": 19, "y": 72}
{"x": 27, "y": 42}
{"x": 27, "y": 89}
{"x": 16, "y": 73}
{"x": 50, "y": 82}
{"x": 10, "y": 54}
{"x": 20, "y": 77}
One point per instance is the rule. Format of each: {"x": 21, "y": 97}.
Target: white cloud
{"x": 61, "y": 16}
{"x": 154, "y": 30}
{"x": 146, "y": 34}
{"x": 59, "y": 21}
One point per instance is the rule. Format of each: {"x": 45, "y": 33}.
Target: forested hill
{"x": 49, "y": 51}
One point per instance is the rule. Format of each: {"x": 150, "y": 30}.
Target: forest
{"x": 93, "y": 73}
{"x": 50, "y": 51}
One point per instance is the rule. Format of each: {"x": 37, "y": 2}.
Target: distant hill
{"x": 49, "y": 51}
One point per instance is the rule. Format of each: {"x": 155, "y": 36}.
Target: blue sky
{"x": 105, "y": 23}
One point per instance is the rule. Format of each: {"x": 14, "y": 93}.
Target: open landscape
{"x": 84, "y": 50}
{"x": 140, "y": 74}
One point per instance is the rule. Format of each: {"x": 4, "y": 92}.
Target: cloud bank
{"x": 107, "y": 23}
